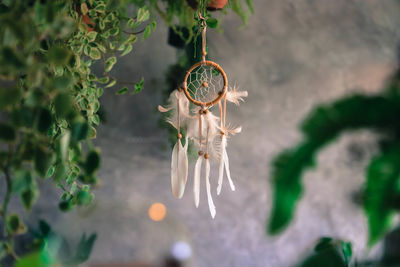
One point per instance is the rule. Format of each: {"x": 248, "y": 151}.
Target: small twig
{"x": 139, "y": 32}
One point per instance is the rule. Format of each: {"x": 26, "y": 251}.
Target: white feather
{"x": 235, "y": 96}
{"x": 226, "y": 163}
{"x": 179, "y": 169}
{"x": 175, "y": 98}
{"x": 196, "y": 184}
{"x": 207, "y": 120}
{"x": 221, "y": 164}
{"x": 209, "y": 197}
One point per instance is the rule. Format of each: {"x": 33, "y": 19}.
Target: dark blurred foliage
{"x": 380, "y": 197}
{"x": 329, "y": 253}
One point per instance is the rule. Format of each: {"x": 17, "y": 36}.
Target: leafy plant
{"x": 49, "y": 97}
{"x": 178, "y": 14}
{"x": 329, "y": 252}
{"x": 381, "y": 197}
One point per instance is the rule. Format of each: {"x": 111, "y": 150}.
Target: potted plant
{"x": 212, "y": 5}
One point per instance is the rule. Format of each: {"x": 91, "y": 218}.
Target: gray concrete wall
{"x": 293, "y": 55}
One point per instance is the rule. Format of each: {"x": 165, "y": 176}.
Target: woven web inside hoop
{"x": 204, "y": 83}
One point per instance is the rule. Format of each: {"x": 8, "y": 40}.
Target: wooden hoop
{"x": 221, "y": 94}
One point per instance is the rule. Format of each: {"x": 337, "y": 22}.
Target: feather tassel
{"x": 221, "y": 164}
{"x": 211, "y": 205}
{"x": 179, "y": 169}
{"x": 226, "y": 163}
{"x": 196, "y": 186}
{"x": 235, "y": 96}
{"x": 177, "y": 97}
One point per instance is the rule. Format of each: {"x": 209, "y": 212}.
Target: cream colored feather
{"x": 228, "y": 172}
{"x": 211, "y": 205}
{"x": 175, "y": 98}
{"x": 221, "y": 164}
{"x": 196, "y": 184}
{"x": 223, "y": 157}
{"x": 179, "y": 169}
{"x": 235, "y": 96}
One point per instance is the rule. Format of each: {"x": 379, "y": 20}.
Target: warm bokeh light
{"x": 157, "y": 212}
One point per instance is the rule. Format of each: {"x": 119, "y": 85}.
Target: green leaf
{"x": 44, "y": 228}
{"x": 11, "y": 59}
{"x": 42, "y": 161}
{"x": 287, "y": 170}
{"x": 127, "y": 50}
{"x": 58, "y": 55}
{"x": 130, "y": 40}
{"x": 96, "y": 119}
{"x": 14, "y": 225}
{"x": 91, "y": 36}
{"x": 7, "y": 133}
{"x": 113, "y": 31}
{"x": 102, "y": 24}
{"x": 329, "y": 253}
{"x": 65, "y": 205}
{"x": 147, "y": 32}
{"x": 103, "y": 80}
{"x": 110, "y": 63}
{"x": 100, "y": 8}
{"x": 94, "y": 53}
{"x": 79, "y": 131}
{"x": 92, "y": 132}
{"x": 84, "y": 8}
{"x": 9, "y": 97}
{"x": 153, "y": 25}
{"x": 92, "y": 162}
{"x": 60, "y": 172}
{"x": 22, "y": 181}
{"x": 3, "y": 250}
{"x": 111, "y": 84}
{"x": 73, "y": 188}
{"x": 84, "y": 197}
{"x": 63, "y": 104}
{"x": 249, "y": 4}
{"x": 29, "y": 197}
{"x": 84, "y": 248}
{"x": 143, "y": 14}
{"x": 212, "y": 23}
{"x": 131, "y": 23}
{"x": 87, "y": 179}
{"x": 122, "y": 91}
{"x": 62, "y": 82}
{"x": 138, "y": 86}
{"x": 63, "y": 145}
{"x": 50, "y": 172}
{"x": 44, "y": 120}
{"x": 31, "y": 260}
{"x": 383, "y": 178}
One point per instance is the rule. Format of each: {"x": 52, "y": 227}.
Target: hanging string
{"x": 200, "y": 130}
{"x": 179, "y": 120}
{"x": 206, "y": 156}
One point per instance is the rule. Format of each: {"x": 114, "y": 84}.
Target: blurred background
{"x": 293, "y": 55}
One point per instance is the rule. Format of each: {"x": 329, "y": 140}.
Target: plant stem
{"x": 8, "y": 192}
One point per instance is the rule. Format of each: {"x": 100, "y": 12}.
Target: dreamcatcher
{"x": 205, "y": 85}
